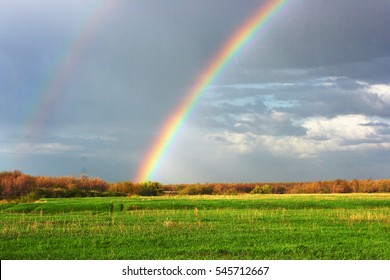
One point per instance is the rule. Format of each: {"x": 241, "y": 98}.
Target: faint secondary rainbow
{"x": 51, "y": 90}
{"x": 177, "y": 119}
{"x": 68, "y": 61}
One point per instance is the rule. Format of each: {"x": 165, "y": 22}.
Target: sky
{"x": 85, "y": 88}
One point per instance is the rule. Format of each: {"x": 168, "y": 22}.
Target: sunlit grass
{"x": 199, "y": 227}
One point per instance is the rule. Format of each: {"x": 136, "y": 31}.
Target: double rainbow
{"x": 175, "y": 122}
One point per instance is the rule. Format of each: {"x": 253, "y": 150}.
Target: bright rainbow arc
{"x": 177, "y": 119}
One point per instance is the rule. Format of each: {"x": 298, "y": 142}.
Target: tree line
{"x": 318, "y": 187}
{"x": 17, "y": 185}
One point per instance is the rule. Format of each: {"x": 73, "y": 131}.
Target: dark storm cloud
{"x": 333, "y": 32}
{"x": 320, "y": 38}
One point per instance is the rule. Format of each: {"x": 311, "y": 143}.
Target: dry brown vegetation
{"x": 330, "y": 186}
{"x": 16, "y": 185}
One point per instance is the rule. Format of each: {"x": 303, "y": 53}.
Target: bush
{"x": 31, "y": 197}
{"x": 127, "y": 188}
{"x": 150, "y": 189}
{"x": 225, "y": 189}
{"x": 189, "y": 190}
{"x": 264, "y": 189}
{"x": 197, "y": 189}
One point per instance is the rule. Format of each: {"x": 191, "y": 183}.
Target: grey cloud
{"x": 346, "y": 97}
{"x": 334, "y": 33}
{"x": 376, "y": 124}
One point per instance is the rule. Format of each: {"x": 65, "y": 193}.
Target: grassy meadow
{"x": 332, "y": 226}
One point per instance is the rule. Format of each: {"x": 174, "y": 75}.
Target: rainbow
{"x": 68, "y": 62}
{"x": 177, "y": 119}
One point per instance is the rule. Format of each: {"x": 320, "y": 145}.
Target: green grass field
{"x": 353, "y": 226}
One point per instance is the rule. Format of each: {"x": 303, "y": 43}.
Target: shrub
{"x": 197, "y": 189}
{"x": 125, "y": 187}
{"x": 189, "y": 190}
{"x": 150, "y": 189}
{"x": 264, "y": 189}
{"x": 206, "y": 189}
{"x": 225, "y": 189}
{"x": 31, "y": 197}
